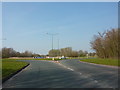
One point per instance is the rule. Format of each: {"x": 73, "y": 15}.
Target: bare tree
{"x": 54, "y": 52}
{"x": 106, "y": 44}
{"x": 8, "y": 52}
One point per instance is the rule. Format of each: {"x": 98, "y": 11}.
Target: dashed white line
{"x": 66, "y": 67}
{"x": 70, "y": 69}
{"x": 95, "y": 81}
{"x": 80, "y": 73}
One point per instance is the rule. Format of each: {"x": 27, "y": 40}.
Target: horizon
{"x": 25, "y": 24}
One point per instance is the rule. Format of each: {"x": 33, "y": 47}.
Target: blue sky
{"x": 25, "y": 24}
{"x": 0, "y": 25}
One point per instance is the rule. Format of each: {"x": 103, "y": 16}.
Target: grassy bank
{"x": 32, "y": 59}
{"x": 11, "y": 66}
{"x": 112, "y": 62}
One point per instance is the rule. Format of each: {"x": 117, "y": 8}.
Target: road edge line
{"x": 11, "y": 75}
{"x": 101, "y": 65}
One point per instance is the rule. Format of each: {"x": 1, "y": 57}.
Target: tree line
{"x": 68, "y": 52}
{"x": 10, "y": 52}
{"x": 106, "y": 44}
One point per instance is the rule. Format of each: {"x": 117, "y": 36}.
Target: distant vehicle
{"x": 47, "y": 57}
{"x": 38, "y": 57}
{"x": 62, "y": 57}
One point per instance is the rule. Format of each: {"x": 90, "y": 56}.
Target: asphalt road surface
{"x": 65, "y": 74}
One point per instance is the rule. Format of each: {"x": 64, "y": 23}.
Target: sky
{"x": 0, "y": 25}
{"x": 25, "y": 24}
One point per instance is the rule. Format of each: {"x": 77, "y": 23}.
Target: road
{"x": 65, "y": 74}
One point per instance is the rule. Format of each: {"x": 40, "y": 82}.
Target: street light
{"x": 52, "y": 37}
{"x": 51, "y": 34}
{"x": 58, "y": 47}
{"x": 3, "y": 39}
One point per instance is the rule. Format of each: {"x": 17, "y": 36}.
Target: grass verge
{"x": 111, "y": 62}
{"x": 33, "y": 59}
{"x": 11, "y": 66}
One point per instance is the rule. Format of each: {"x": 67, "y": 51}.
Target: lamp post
{"x": 58, "y": 47}
{"x": 1, "y": 41}
{"x": 51, "y": 34}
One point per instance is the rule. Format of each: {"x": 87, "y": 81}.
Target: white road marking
{"x": 70, "y": 69}
{"x": 80, "y": 73}
{"x": 95, "y": 81}
{"x": 66, "y": 66}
